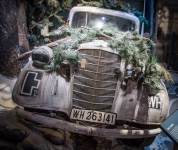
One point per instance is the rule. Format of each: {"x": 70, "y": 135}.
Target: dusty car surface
{"x": 90, "y": 97}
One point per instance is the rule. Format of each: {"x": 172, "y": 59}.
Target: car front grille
{"x": 94, "y": 86}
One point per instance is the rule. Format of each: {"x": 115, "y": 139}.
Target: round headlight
{"x": 42, "y": 56}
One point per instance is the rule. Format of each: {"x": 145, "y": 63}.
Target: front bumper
{"x": 87, "y": 130}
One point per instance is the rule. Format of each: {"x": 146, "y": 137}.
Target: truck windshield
{"x": 100, "y": 20}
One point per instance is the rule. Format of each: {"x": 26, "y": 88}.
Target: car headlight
{"x": 41, "y": 56}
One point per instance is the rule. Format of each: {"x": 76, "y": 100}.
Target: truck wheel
{"x": 137, "y": 143}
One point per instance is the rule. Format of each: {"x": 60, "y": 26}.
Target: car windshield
{"x": 99, "y": 20}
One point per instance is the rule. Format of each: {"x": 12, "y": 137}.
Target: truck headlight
{"x": 41, "y": 56}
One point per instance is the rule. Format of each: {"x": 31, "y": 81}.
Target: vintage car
{"x": 90, "y": 97}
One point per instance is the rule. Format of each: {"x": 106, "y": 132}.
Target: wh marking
{"x": 154, "y": 102}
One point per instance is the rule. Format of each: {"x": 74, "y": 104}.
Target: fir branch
{"x": 59, "y": 18}
{"x": 92, "y": 3}
{"x": 41, "y": 21}
{"x": 67, "y": 4}
{"x": 166, "y": 74}
{"x": 129, "y": 45}
{"x": 39, "y": 13}
{"x": 101, "y": 34}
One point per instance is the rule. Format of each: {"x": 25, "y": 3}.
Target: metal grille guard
{"x": 95, "y": 84}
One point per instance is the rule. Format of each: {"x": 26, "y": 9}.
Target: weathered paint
{"x": 55, "y": 93}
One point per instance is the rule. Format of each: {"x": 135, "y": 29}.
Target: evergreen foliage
{"x": 130, "y": 45}
{"x": 39, "y": 13}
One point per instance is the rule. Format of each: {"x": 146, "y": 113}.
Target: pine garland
{"x": 130, "y": 46}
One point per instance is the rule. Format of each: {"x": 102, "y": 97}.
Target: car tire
{"x": 137, "y": 143}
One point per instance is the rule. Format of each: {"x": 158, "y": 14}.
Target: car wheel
{"x": 137, "y": 143}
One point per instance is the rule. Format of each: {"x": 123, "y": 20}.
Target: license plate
{"x": 93, "y": 116}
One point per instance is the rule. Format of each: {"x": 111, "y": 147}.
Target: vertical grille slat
{"x": 94, "y": 86}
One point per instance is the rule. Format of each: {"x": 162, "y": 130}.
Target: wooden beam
{"x": 52, "y": 44}
{"x": 86, "y": 130}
